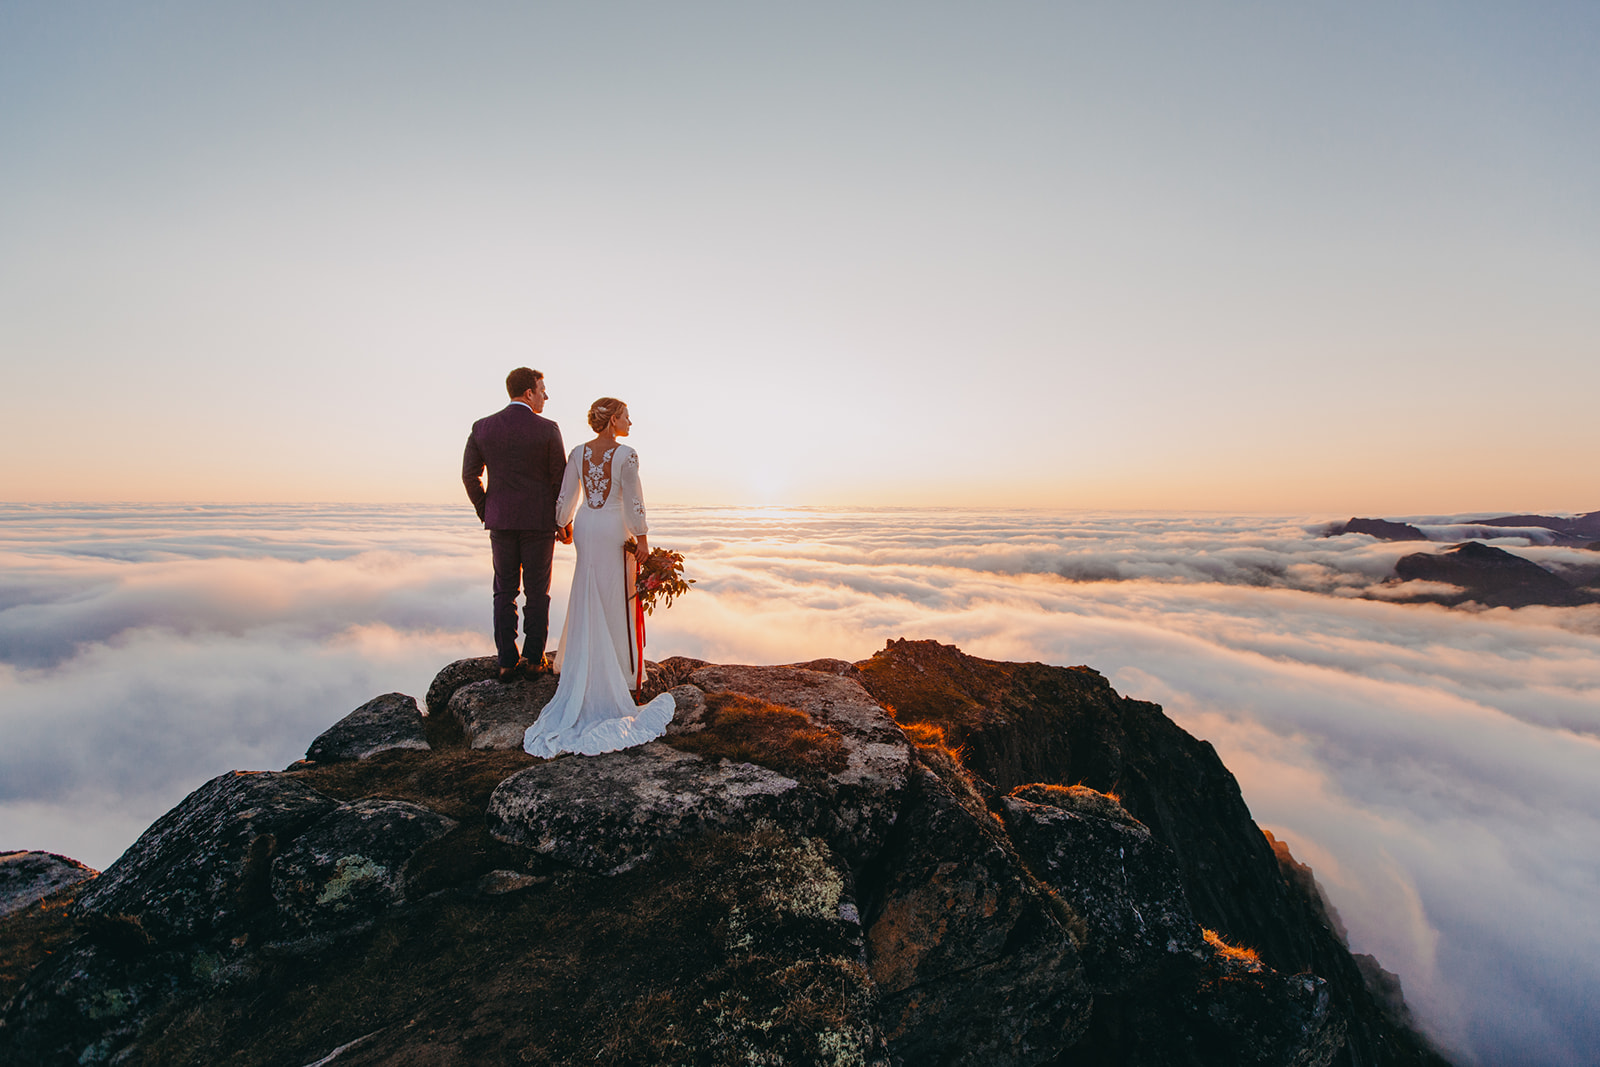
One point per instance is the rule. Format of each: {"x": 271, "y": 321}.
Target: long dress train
{"x": 593, "y": 709}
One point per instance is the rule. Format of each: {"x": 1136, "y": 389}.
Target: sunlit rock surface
{"x": 922, "y": 858}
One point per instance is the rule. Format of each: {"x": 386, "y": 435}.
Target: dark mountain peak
{"x": 1486, "y": 555}
{"x": 1490, "y": 576}
{"x": 1382, "y": 529}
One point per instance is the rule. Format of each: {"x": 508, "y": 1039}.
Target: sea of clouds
{"x": 1439, "y": 769}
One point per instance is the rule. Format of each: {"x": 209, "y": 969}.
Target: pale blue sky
{"x": 1341, "y": 257}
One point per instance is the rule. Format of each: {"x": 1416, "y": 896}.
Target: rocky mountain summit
{"x": 921, "y": 858}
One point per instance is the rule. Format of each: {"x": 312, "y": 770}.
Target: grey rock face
{"x": 496, "y": 714}
{"x": 689, "y": 710}
{"x": 390, "y": 721}
{"x": 461, "y": 672}
{"x": 607, "y": 813}
{"x": 1122, "y": 883}
{"x": 973, "y": 962}
{"x": 205, "y": 863}
{"x": 865, "y": 796}
{"x": 351, "y": 864}
{"x": 28, "y": 877}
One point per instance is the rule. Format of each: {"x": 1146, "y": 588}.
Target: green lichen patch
{"x": 351, "y": 874}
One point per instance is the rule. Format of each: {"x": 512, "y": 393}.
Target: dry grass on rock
{"x": 746, "y": 729}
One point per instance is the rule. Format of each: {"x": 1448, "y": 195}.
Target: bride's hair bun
{"x": 602, "y": 411}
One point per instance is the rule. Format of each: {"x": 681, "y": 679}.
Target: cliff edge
{"x": 921, "y": 858}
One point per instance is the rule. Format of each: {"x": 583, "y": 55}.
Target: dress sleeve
{"x": 633, "y": 517}
{"x": 571, "y": 490}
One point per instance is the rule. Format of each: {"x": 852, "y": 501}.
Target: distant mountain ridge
{"x": 1579, "y": 530}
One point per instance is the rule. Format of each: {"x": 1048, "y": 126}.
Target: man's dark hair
{"x": 521, "y": 380}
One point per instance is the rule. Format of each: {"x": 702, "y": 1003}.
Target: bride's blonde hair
{"x": 602, "y": 411}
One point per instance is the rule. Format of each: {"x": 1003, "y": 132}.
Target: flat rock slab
{"x": 28, "y": 877}
{"x": 608, "y": 813}
{"x": 454, "y": 676}
{"x": 495, "y": 714}
{"x": 350, "y": 865}
{"x": 188, "y": 874}
{"x": 390, "y": 721}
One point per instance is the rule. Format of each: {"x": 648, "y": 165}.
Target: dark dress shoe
{"x": 509, "y": 674}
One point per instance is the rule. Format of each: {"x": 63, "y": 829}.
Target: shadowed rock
{"x": 205, "y": 863}
{"x": 496, "y": 714}
{"x": 1121, "y": 882}
{"x": 390, "y": 721}
{"x": 28, "y": 877}
{"x": 351, "y": 864}
{"x": 973, "y": 961}
{"x": 608, "y": 813}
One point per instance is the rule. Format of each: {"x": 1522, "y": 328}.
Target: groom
{"x": 523, "y": 453}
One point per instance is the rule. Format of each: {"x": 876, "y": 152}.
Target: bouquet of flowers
{"x": 660, "y": 577}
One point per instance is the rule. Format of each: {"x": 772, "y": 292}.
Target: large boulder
{"x": 28, "y": 877}
{"x": 205, "y": 864}
{"x": 608, "y": 813}
{"x": 455, "y": 675}
{"x": 1122, "y": 883}
{"x": 495, "y": 714}
{"x": 390, "y": 721}
{"x": 351, "y": 864}
{"x": 973, "y": 959}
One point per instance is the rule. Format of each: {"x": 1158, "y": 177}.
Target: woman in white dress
{"x": 593, "y": 710}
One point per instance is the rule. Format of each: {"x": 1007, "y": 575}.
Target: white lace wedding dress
{"x": 593, "y": 709}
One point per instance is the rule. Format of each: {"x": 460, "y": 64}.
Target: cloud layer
{"x": 1439, "y": 769}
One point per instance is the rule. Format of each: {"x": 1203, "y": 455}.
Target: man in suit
{"x": 525, "y": 458}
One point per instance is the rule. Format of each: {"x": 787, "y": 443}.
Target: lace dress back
{"x": 593, "y": 708}
{"x": 597, "y": 476}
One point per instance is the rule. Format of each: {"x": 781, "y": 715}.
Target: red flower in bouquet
{"x": 660, "y": 578}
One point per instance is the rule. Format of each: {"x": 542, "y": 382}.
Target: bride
{"x": 600, "y": 655}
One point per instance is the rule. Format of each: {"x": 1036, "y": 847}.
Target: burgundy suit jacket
{"x": 525, "y": 459}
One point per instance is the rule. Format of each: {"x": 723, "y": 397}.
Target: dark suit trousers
{"x": 521, "y": 558}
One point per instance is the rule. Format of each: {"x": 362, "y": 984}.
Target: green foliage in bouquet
{"x": 660, "y": 577}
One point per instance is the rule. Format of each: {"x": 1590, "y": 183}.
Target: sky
{"x": 1319, "y": 257}
{"x": 1439, "y": 769}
